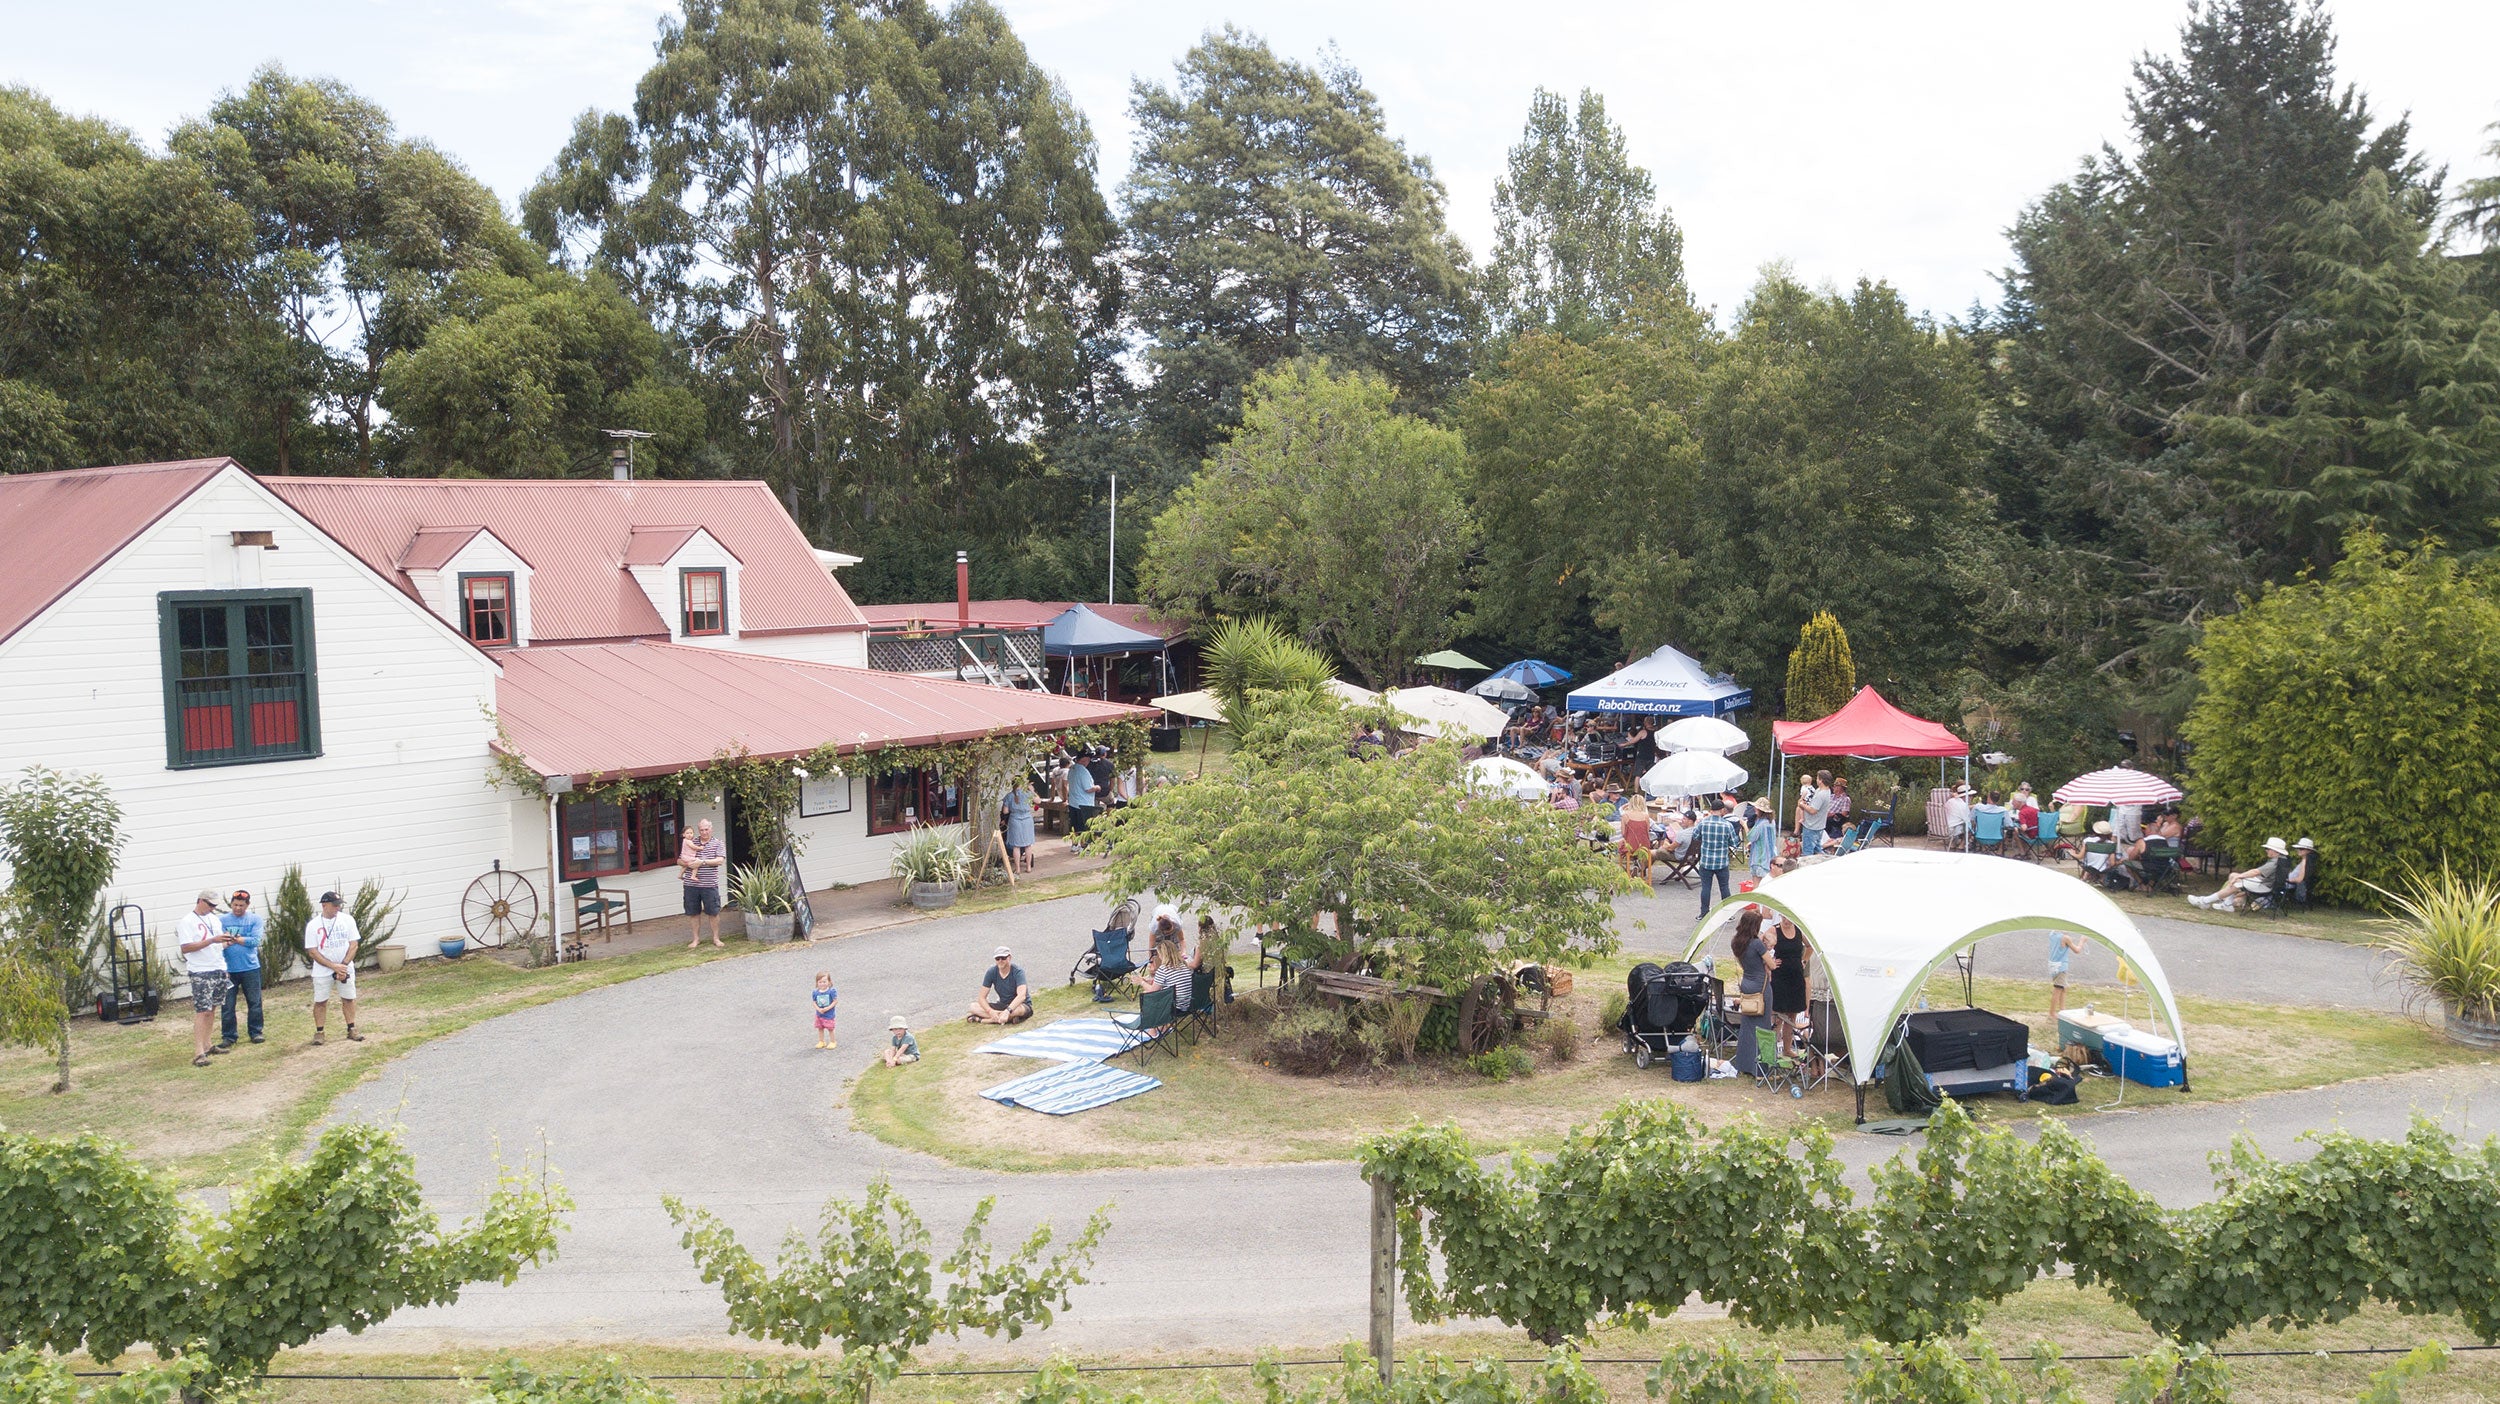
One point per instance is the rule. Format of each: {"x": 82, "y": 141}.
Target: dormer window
{"x": 486, "y": 609}
{"x": 705, "y": 595}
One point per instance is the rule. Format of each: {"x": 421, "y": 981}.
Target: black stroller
{"x": 1662, "y": 1005}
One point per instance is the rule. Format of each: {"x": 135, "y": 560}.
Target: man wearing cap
{"x": 1006, "y": 997}
{"x": 2272, "y": 875}
{"x": 249, "y": 929}
{"x": 1957, "y": 818}
{"x": 330, "y": 944}
{"x": 203, "y": 943}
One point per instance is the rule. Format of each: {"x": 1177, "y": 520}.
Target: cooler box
{"x": 2148, "y": 1060}
{"x": 2088, "y": 1028}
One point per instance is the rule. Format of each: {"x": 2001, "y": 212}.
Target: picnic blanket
{"x": 1071, "y": 1087}
{"x": 1066, "y": 1041}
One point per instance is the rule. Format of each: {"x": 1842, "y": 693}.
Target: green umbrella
{"x": 1450, "y": 658}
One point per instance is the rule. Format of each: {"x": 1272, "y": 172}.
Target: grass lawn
{"x": 1220, "y": 1105}
{"x": 2080, "y": 1321}
{"x": 210, "y": 1125}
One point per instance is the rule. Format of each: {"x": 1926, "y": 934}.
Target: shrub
{"x": 1610, "y": 1012}
{"x": 376, "y": 914}
{"x": 1562, "y": 1039}
{"x": 290, "y": 910}
{"x": 762, "y": 889}
{"x": 2358, "y": 709}
{"x": 1503, "y": 1063}
{"x": 603, "y": 1381}
{"x": 936, "y": 854}
{"x": 2444, "y": 933}
{"x": 1822, "y": 677}
{"x": 1310, "y": 1039}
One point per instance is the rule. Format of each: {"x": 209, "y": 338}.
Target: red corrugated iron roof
{"x": 57, "y": 528}
{"x": 1020, "y": 614}
{"x": 653, "y": 545}
{"x": 652, "y": 709}
{"x": 576, "y": 533}
{"x": 433, "y": 547}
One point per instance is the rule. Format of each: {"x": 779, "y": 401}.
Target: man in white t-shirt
{"x": 330, "y": 944}
{"x": 204, "y": 940}
{"x": 1957, "y": 818}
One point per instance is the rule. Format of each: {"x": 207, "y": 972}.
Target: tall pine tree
{"x": 1821, "y": 675}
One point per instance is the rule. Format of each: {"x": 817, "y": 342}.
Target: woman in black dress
{"x": 1788, "y": 983}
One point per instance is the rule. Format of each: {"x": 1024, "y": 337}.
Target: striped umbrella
{"x": 2117, "y": 785}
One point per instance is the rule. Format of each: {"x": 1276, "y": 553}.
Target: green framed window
{"x": 239, "y": 676}
{"x": 486, "y": 609}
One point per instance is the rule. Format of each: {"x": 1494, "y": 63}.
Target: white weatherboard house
{"x": 317, "y": 671}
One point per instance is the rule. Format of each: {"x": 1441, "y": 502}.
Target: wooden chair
{"x": 593, "y": 903}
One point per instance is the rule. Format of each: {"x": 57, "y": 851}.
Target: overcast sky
{"x": 1893, "y": 141}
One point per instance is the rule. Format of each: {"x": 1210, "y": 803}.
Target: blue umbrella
{"x": 1533, "y": 672}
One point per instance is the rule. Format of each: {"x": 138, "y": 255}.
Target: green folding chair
{"x": 1151, "y": 1027}
{"x": 1773, "y": 1071}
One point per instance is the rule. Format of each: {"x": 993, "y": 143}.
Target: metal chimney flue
{"x": 963, "y": 589}
{"x": 621, "y": 463}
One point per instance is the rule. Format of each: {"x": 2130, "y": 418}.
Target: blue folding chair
{"x": 1106, "y": 964}
{"x": 1987, "y": 829}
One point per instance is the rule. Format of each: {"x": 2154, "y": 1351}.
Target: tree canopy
{"x": 1579, "y": 237}
{"x": 1329, "y": 509}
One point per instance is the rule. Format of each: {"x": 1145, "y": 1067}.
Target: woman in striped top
{"x": 1165, "y": 970}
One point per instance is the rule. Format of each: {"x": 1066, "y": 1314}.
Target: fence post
{"x": 1384, "y": 1276}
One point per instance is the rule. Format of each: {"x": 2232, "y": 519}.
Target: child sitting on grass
{"x": 824, "y": 1009}
{"x": 900, "y": 1047}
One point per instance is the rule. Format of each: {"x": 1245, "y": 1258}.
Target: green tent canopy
{"x": 1450, "y": 658}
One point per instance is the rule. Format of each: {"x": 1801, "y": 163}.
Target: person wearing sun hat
{"x": 2304, "y": 870}
{"x": 2272, "y": 875}
{"x": 900, "y": 1046}
{"x": 203, "y": 940}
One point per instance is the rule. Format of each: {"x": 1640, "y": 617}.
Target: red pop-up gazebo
{"x": 1867, "y": 728}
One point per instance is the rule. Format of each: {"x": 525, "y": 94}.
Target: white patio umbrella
{"x": 1199, "y": 706}
{"x": 1504, "y": 690}
{"x": 1501, "y": 775}
{"x": 1359, "y": 696}
{"x": 1437, "y": 711}
{"x": 1719, "y": 738}
{"x": 1693, "y": 773}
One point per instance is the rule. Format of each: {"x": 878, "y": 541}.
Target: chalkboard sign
{"x": 802, "y": 916}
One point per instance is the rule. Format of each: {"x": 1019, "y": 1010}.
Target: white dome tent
{"x": 1880, "y": 920}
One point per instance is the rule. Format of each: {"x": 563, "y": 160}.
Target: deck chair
{"x": 1677, "y": 864}
{"x": 2158, "y": 869}
{"x": 1855, "y": 837}
{"x": 1106, "y": 964}
{"x": 1151, "y": 1027}
{"x": 1773, "y": 1071}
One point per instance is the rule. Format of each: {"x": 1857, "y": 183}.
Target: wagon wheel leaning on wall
{"x": 500, "y": 908}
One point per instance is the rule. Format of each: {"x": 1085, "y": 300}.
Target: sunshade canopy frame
{"x": 1826, "y": 901}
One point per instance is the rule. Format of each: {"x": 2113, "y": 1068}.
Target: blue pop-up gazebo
{"x": 1079, "y": 633}
{"x": 1668, "y": 683}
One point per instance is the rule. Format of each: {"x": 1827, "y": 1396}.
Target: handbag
{"x": 1749, "y": 1006}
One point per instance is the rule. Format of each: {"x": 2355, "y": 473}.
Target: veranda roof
{"x": 1880, "y": 919}
{"x": 636, "y": 709}
{"x": 1867, "y": 726}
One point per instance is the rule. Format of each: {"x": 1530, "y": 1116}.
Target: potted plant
{"x": 931, "y": 864}
{"x": 762, "y": 892}
{"x": 2444, "y": 933}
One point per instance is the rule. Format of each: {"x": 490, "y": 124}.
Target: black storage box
{"x": 1969, "y": 1050}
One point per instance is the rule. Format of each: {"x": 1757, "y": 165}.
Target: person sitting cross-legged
{"x": 1006, "y": 996}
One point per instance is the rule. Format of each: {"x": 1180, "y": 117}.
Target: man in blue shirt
{"x": 1714, "y": 840}
{"x": 242, "y": 965}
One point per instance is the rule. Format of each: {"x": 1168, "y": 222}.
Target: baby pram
{"x": 1663, "y": 1005}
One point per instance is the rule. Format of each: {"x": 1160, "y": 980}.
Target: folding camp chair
{"x": 1151, "y": 1026}
{"x": 1199, "y": 1019}
{"x": 1987, "y": 830}
{"x": 1676, "y": 864}
{"x": 1106, "y": 964}
{"x": 1772, "y": 1070}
